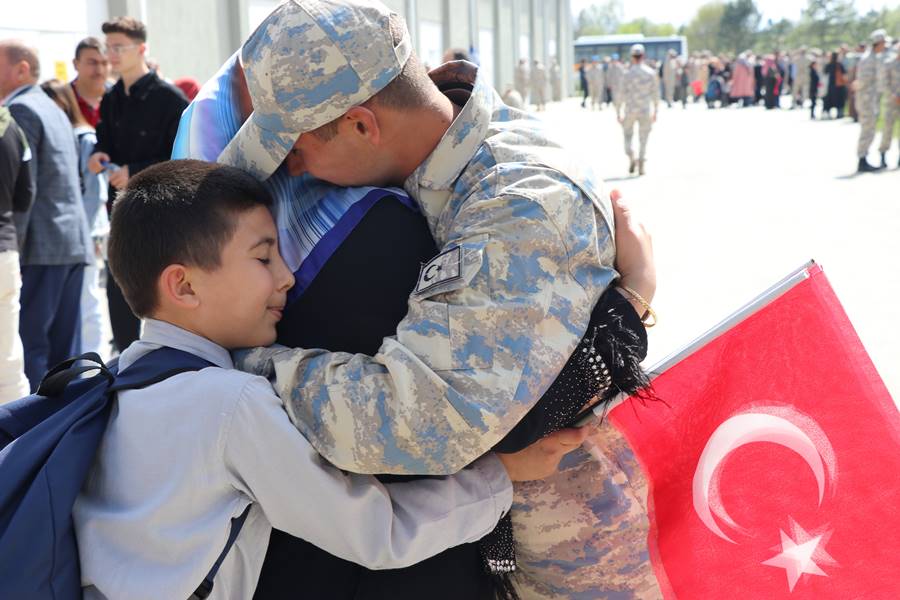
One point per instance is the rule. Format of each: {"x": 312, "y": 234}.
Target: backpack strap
{"x": 206, "y": 587}
{"x": 55, "y": 381}
{"x": 157, "y": 366}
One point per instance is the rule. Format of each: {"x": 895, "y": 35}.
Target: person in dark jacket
{"x": 836, "y": 90}
{"x": 138, "y": 122}
{"x": 813, "y": 86}
{"x": 54, "y": 239}
{"x": 16, "y": 192}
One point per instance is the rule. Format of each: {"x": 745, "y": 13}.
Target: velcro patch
{"x": 446, "y": 266}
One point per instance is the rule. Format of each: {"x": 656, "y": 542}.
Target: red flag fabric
{"x": 775, "y": 468}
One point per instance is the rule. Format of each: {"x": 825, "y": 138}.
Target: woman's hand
{"x": 634, "y": 251}
{"x": 541, "y": 459}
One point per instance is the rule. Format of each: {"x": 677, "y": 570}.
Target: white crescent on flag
{"x": 738, "y": 431}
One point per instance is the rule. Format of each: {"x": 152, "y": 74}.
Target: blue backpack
{"x": 47, "y": 445}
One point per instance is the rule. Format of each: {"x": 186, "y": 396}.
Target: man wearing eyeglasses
{"x": 93, "y": 71}
{"x": 138, "y": 121}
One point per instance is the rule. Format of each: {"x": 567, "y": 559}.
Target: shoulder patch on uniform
{"x": 446, "y": 266}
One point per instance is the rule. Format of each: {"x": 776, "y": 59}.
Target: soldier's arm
{"x": 485, "y": 335}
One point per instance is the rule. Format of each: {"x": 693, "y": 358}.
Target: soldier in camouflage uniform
{"x": 800, "y": 85}
{"x": 522, "y": 79}
{"x": 614, "y": 75}
{"x": 892, "y": 103}
{"x": 640, "y": 99}
{"x": 869, "y": 86}
{"x": 670, "y": 73}
{"x": 527, "y": 250}
{"x": 596, "y": 83}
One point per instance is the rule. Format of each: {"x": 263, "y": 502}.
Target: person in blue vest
{"x": 54, "y": 237}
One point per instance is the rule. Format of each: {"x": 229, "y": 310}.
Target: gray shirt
{"x": 183, "y": 457}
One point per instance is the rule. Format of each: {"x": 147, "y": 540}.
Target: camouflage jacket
{"x": 640, "y": 90}
{"x": 892, "y": 76}
{"x": 870, "y": 73}
{"x": 526, "y": 250}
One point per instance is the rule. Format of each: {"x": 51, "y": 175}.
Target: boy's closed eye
{"x": 262, "y": 250}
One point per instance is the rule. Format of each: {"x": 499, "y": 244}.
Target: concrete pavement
{"x": 738, "y": 198}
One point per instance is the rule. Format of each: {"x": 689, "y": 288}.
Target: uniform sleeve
{"x": 483, "y": 338}
{"x": 354, "y": 517}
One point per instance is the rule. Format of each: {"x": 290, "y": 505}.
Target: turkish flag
{"x": 774, "y": 458}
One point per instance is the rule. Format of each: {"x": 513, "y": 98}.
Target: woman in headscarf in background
{"x": 836, "y": 90}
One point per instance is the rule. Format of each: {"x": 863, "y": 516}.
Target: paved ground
{"x": 736, "y": 199}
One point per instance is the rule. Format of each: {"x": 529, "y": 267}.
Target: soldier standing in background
{"x": 868, "y": 85}
{"x": 596, "y": 83}
{"x": 539, "y": 86}
{"x": 556, "y": 81}
{"x": 520, "y": 81}
{"x": 800, "y": 87}
{"x": 669, "y": 72}
{"x": 892, "y": 106}
{"x": 614, "y": 75}
{"x": 851, "y": 64}
{"x": 640, "y": 93}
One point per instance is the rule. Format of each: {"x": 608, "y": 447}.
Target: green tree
{"x": 703, "y": 30}
{"x": 827, "y": 23}
{"x": 776, "y": 35}
{"x": 739, "y": 25}
{"x": 600, "y": 19}
{"x": 647, "y": 27}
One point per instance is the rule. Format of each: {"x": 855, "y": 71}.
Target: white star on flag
{"x": 801, "y": 554}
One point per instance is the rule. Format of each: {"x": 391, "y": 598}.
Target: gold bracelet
{"x": 648, "y": 311}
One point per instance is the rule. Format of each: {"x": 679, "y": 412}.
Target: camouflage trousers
{"x": 868, "y": 109}
{"x": 645, "y": 124}
{"x": 669, "y": 89}
{"x": 800, "y": 89}
{"x": 891, "y": 116}
{"x": 582, "y": 533}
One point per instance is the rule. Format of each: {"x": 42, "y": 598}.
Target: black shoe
{"x": 865, "y": 167}
{"x": 631, "y": 167}
{"x": 883, "y": 161}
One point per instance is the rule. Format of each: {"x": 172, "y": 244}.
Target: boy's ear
{"x": 175, "y": 287}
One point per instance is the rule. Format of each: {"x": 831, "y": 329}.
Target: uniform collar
{"x": 431, "y": 183}
{"x": 157, "y": 334}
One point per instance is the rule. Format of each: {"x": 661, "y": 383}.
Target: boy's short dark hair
{"x": 88, "y": 43}
{"x": 128, "y": 26}
{"x": 175, "y": 212}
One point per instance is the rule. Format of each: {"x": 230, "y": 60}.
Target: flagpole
{"x": 767, "y": 297}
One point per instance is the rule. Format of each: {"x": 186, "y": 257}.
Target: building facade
{"x": 193, "y": 38}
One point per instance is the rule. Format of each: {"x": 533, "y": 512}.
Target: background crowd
{"x": 67, "y": 147}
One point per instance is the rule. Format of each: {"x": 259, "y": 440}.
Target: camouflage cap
{"x": 878, "y": 35}
{"x": 308, "y": 63}
{"x": 637, "y": 50}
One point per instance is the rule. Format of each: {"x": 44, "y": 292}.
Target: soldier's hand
{"x": 653, "y": 118}
{"x": 541, "y": 459}
{"x": 620, "y": 119}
